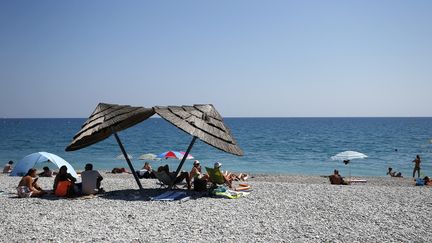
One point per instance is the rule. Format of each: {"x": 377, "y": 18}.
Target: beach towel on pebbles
{"x": 226, "y": 193}
{"x": 171, "y": 196}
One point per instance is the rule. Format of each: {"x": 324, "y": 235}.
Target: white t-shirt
{"x": 89, "y": 180}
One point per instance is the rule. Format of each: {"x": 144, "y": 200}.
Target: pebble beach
{"x": 281, "y": 208}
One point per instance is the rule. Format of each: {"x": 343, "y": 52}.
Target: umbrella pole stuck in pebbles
{"x": 203, "y": 122}
{"x": 107, "y": 120}
{"x": 347, "y": 156}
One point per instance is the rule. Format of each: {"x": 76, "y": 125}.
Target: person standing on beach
{"x": 8, "y": 167}
{"x": 417, "y": 162}
{"x": 91, "y": 181}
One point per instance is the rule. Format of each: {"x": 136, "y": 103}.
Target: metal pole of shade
{"x": 183, "y": 160}
{"x": 127, "y": 159}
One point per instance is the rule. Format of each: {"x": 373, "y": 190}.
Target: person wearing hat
{"x": 197, "y": 173}
{"x": 227, "y": 178}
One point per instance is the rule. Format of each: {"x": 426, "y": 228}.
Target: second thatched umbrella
{"x": 109, "y": 119}
{"x": 203, "y": 122}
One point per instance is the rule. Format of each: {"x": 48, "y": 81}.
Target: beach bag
{"x": 200, "y": 185}
{"x": 63, "y": 188}
{"x": 420, "y": 182}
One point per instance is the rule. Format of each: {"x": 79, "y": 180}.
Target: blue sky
{"x": 248, "y": 58}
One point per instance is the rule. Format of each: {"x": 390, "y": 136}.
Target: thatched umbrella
{"x": 203, "y": 122}
{"x": 109, "y": 119}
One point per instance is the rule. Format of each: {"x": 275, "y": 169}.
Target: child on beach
{"x": 8, "y": 167}
{"x": 28, "y": 186}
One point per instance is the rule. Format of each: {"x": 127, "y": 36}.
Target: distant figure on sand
{"x": 336, "y": 179}
{"x": 416, "y": 162}
{"x": 64, "y": 183}
{"x": 28, "y": 186}
{"x": 393, "y": 173}
{"x": 46, "y": 172}
{"x": 8, "y": 167}
{"x": 91, "y": 181}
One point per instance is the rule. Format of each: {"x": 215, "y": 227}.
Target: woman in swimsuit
{"x": 28, "y": 187}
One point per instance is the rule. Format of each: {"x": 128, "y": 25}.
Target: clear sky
{"x": 248, "y": 58}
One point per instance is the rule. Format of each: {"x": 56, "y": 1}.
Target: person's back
{"x": 8, "y": 167}
{"x": 90, "y": 180}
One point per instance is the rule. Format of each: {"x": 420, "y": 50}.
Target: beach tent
{"x": 108, "y": 119}
{"x": 32, "y": 160}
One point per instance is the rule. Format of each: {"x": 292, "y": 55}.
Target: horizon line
{"x": 256, "y": 117}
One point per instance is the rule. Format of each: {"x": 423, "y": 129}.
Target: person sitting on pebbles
{"x": 8, "y": 167}
{"x": 91, "y": 181}
{"x": 46, "y": 172}
{"x": 28, "y": 186}
{"x": 64, "y": 183}
{"x": 336, "y": 179}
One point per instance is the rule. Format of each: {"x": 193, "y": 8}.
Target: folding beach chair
{"x": 216, "y": 176}
{"x": 164, "y": 180}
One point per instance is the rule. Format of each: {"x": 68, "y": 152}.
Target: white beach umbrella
{"x": 148, "y": 157}
{"x": 347, "y": 156}
{"x": 121, "y": 157}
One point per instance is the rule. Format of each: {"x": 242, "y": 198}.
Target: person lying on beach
{"x": 234, "y": 177}
{"x": 46, "y": 172}
{"x": 119, "y": 171}
{"x": 393, "y": 173}
{"x": 28, "y": 186}
{"x": 64, "y": 183}
{"x": 146, "y": 172}
{"x": 8, "y": 167}
{"x": 182, "y": 176}
{"x": 91, "y": 181}
{"x": 336, "y": 179}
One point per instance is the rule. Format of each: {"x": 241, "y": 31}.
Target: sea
{"x": 296, "y": 146}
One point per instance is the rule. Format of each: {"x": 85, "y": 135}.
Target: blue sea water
{"x": 271, "y": 145}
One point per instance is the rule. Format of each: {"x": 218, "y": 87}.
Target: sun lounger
{"x": 165, "y": 180}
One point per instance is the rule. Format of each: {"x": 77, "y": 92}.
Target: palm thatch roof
{"x": 105, "y": 118}
{"x": 204, "y": 122}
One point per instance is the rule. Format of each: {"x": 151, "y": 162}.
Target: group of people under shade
{"x": 64, "y": 183}
{"x": 196, "y": 176}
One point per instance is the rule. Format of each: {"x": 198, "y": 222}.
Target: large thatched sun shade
{"x": 106, "y": 118}
{"x": 204, "y": 122}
